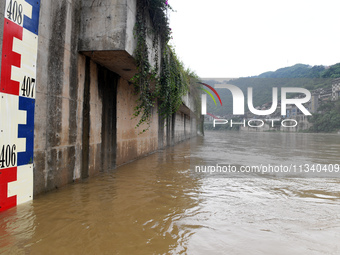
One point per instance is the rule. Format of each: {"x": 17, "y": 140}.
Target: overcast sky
{"x": 239, "y": 38}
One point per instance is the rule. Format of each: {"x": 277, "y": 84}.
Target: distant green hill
{"x": 333, "y": 72}
{"x": 299, "y": 75}
{"x": 296, "y": 71}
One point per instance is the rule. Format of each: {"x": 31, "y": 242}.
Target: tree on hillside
{"x": 332, "y": 72}
{"x": 328, "y": 118}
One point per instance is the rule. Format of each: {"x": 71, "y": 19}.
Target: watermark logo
{"x": 238, "y": 100}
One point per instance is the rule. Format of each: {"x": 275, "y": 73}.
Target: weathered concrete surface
{"x": 181, "y": 126}
{"x": 107, "y": 35}
{"x": 108, "y": 82}
{"x": 104, "y": 25}
{"x": 84, "y": 102}
{"x": 57, "y": 137}
{"x": 130, "y": 143}
{"x": 188, "y": 106}
{"x": 118, "y": 61}
{"x": 95, "y": 124}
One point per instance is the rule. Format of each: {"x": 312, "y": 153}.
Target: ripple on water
{"x": 158, "y": 205}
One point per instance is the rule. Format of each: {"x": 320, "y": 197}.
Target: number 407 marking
{"x": 27, "y": 87}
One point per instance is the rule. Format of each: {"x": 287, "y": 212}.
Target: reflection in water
{"x": 158, "y": 205}
{"x": 16, "y": 227}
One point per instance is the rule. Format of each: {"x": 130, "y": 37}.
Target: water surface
{"x": 159, "y": 205}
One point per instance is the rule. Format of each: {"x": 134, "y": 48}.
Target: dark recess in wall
{"x": 107, "y": 82}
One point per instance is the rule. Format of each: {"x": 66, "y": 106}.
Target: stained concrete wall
{"x": 179, "y": 127}
{"x": 132, "y": 142}
{"x": 85, "y": 104}
{"x": 107, "y": 34}
{"x": 58, "y": 116}
{"x": 95, "y": 122}
{"x": 184, "y": 127}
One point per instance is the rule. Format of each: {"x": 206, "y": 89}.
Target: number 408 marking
{"x": 15, "y": 12}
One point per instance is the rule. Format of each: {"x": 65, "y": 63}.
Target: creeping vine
{"x": 166, "y": 84}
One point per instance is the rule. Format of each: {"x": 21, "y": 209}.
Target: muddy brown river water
{"x": 160, "y": 205}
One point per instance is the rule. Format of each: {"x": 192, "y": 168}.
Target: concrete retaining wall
{"x": 84, "y": 103}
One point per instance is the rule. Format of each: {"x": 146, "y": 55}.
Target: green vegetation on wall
{"x": 172, "y": 81}
{"x": 173, "y": 84}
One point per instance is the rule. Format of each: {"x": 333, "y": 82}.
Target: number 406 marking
{"x": 8, "y": 156}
